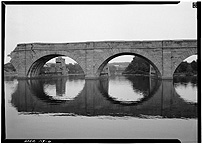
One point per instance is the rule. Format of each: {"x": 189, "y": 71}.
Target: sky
{"x": 81, "y": 23}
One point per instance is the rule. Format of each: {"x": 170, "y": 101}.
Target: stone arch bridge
{"x": 164, "y": 56}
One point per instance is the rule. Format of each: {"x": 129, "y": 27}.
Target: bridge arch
{"x": 41, "y": 58}
{"x": 182, "y": 57}
{"x": 146, "y": 57}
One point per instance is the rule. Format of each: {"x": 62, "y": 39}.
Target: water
{"x": 118, "y": 107}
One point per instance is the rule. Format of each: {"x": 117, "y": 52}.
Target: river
{"x": 134, "y": 107}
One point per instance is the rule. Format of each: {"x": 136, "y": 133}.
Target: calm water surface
{"x": 118, "y": 107}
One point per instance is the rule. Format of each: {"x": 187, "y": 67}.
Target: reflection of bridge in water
{"x": 94, "y": 100}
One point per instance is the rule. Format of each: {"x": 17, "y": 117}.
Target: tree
{"x": 194, "y": 66}
{"x": 187, "y": 68}
{"x": 182, "y": 67}
{"x": 112, "y": 69}
{"x": 52, "y": 65}
{"x": 74, "y": 68}
{"x": 138, "y": 66}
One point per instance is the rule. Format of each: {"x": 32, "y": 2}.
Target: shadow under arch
{"x": 158, "y": 74}
{"x": 35, "y": 68}
{"x": 154, "y": 89}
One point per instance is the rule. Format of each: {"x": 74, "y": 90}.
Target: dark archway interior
{"x": 121, "y": 54}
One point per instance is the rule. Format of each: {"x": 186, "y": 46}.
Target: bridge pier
{"x": 167, "y": 77}
{"x": 91, "y": 77}
{"x": 167, "y": 64}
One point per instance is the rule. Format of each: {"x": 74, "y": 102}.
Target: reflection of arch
{"x": 145, "y": 56}
{"x": 183, "y": 57}
{"x": 36, "y": 87}
{"x": 41, "y": 58}
{"x": 145, "y": 98}
{"x": 143, "y": 84}
{"x": 184, "y": 81}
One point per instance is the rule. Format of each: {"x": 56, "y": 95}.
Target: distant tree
{"x": 74, "y": 68}
{"x": 182, "y": 67}
{"x": 138, "y": 66}
{"x": 112, "y": 69}
{"x": 78, "y": 68}
{"x": 194, "y": 66}
{"x": 187, "y": 68}
{"x": 52, "y": 65}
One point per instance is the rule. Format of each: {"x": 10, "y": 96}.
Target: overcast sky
{"x": 80, "y": 23}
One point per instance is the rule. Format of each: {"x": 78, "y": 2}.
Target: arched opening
{"x": 130, "y": 77}
{"x": 137, "y": 64}
{"x": 55, "y": 65}
{"x": 185, "y": 79}
{"x": 188, "y": 67}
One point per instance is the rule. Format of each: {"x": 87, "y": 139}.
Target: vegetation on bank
{"x": 72, "y": 68}
{"x": 187, "y": 69}
{"x": 138, "y": 66}
{"x": 141, "y": 66}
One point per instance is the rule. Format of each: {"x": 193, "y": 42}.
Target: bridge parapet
{"x": 179, "y": 43}
{"x": 128, "y": 44}
{"x": 108, "y": 45}
{"x": 52, "y": 46}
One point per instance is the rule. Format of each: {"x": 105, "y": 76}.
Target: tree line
{"x": 140, "y": 66}
{"x": 74, "y": 68}
{"x": 187, "y": 68}
{"x": 71, "y": 68}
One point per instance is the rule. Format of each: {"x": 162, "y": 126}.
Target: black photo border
{"x": 3, "y": 124}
